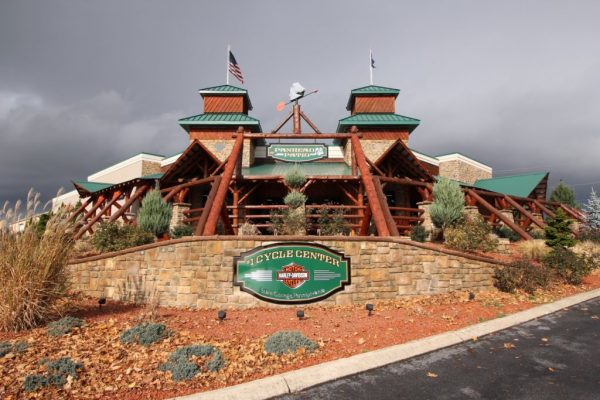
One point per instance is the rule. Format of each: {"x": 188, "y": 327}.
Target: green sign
{"x": 297, "y": 152}
{"x": 291, "y": 272}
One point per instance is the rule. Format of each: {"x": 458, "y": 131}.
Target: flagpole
{"x": 371, "y": 64}
{"x": 227, "y": 65}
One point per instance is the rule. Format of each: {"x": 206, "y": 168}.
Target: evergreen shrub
{"x": 294, "y": 178}
{"x": 294, "y": 199}
{"x": 564, "y": 194}
{"x": 111, "y": 236}
{"x": 284, "y": 342}
{"x": 592, "y": 210}
{"x": 57, "y": 374}
{"x": 182, "y": 230}
{"x": 507, "y": 233}
{"x": 155, "y": 214}
{"x": 448, "y": 203}
{"x": 558, "y": 232}
{"x": 64, "y": 326}
{"x": 145, "y": 334}
{"x": 183, "y": 369}
{"x": 418, "y": 233}
{"x": 332, "y": 222}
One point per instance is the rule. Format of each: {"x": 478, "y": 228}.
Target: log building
{"x": 231, "y": 173}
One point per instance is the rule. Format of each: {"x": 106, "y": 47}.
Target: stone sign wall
{"x": 198, "y": 272}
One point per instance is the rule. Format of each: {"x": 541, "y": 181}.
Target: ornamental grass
{"x": 33, "y": 271}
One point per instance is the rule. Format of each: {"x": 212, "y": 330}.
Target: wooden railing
{"x": 406, "y": 218}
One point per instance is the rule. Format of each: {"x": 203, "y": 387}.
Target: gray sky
{"x": 514, "y": 84}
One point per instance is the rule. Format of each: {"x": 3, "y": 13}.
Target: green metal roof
{"x": 311, "y": 168}
{"x": 378, "y": 119}
{"x": 90, "y": 187}
{"x": 226, "y": 90}
{"x": 219, "y": 119}
{"x": 515, "y": 185}
{"x": 371, "y": 90}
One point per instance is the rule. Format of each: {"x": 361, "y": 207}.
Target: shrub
{"x": 507, "y": 233}
{"x": 448, "y": 203}
{"x": 558, "y": 232}
{"x": 18, "y": 347}
{"x": 83, "y": 247}
{"x": 182, "y": 369}
{"x": 40, "y": 225}
{"x": 155, "y": 214}
{"x": 418, "y": 233}
{"x": 182, "y": 230}
{"x": 294, "y": 199}
{"x": 283, "y": 342}
{"x": 145, "y": 334}
{"x": 289, "y": 222}
{"x": 33, "y": 272}
{"x": 248, "y": 229}
{"x": 57, "y": 374}
{"x": 115, "y": 237}
{"x": 533, "y": 249}
{"x": 471, "y": 235}
{"x": 564, "y": 194}
{"x": 64, "y": 326}
{"x": 294, "y": 178}
{"x": 522, "y": 274}
{"x": 592, "y": 235}
{"x": 588, "y": 248}
{"x": 537, "y": 234}
{"x": 570, "y": 267}
{"x": 332, "y": 222}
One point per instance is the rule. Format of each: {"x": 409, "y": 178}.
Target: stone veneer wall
{"x": 461, "y": 171}
{"x": 374, "y": 149}
{"x": 198, "y": 272}
{"x": 150, "y": 167}
{"x": 219, "y": 148}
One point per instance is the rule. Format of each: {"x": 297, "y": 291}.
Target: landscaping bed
{"x": 112, "y": 369}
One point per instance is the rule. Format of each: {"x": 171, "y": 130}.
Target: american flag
{"x": 234, "y": 68}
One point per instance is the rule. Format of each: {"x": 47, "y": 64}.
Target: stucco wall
{"x": 198, "y": 272}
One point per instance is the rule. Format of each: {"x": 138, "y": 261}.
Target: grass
{"x": 533, "y": 249}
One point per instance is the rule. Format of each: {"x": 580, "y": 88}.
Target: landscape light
{"x": 471, "y": 296}
{"x": 369, "y": 308}
{"x": 101, "y": 302}
{"x": 222, "y": 315}
{"x": 300, "y": 314}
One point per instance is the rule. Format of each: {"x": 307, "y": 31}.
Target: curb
{"x": 295, "y": 381}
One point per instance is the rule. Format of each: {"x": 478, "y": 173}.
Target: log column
{"x": 367, "y": 180}
{"x": 219, "y": 202}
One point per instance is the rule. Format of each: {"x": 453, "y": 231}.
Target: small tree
{"x": 558, "y": 231}
{"x": 155, "y": 214}
{"x": 592, "y": 209}
{"x": 294, "y": 178}
{"x": 448, "y": 203}
{"x": 564, "y": 194}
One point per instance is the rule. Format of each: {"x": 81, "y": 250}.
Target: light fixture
{"x": 222, "y": 315}
{"x": 300, "y": 314}
{"x": 101, "y": 302}
{"x": 369, "y": 308}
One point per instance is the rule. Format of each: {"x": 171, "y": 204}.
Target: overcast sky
{"x": 514, "y": 84}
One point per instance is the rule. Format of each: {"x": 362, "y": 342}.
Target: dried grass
{"x": 588, "y": 248}
{"x": 533, "y": 249}
{"x": 32, "y": 267}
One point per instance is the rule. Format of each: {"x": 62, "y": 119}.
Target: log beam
{"x": 104, "y": 209}
{"x": 80, "y": 209}
{"x": 138, "y": 193}
{"x": 219, "y": 202}
{"x": 523, "y": 211}
{"x": 518, "y": 230}
{"x": 367, "y": 180}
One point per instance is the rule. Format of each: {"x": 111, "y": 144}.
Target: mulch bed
{"x": 113, "y": 370}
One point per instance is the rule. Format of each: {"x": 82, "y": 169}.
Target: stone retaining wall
{"x": 198, "y": 272}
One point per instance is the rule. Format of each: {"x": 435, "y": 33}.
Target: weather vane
{"x": 297, "y": 92}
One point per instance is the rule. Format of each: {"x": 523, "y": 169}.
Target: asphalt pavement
{"x": 553, "y": 357}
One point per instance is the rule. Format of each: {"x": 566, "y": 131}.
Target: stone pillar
{"x": 534, "y": 227}
{"x": 178, "y": 213}
{"x": 427, "y": 222}
{"x": 472, "y": 212}
{"x": 508, "y": 214}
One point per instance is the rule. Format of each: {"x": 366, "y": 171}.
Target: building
{"x": 232, "y": 173}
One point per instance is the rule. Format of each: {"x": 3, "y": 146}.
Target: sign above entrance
{"x": 291, "y": 272}
{"x": 297, "y": 152}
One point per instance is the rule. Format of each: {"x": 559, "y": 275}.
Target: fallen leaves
{"x": 432, "y": 375}
{"x": 509, "y": 346}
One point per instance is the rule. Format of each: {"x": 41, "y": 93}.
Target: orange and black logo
{"x": 293, "y": 275}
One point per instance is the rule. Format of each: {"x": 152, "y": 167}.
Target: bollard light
{"x": 369, "y": 307}
{"x": 471, "y": 296}
{"x": 300, "y": 314}
{"x": 101, "y": 302}
{"x": 222, "y": 315}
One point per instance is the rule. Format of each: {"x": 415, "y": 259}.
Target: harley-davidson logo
{"x": 293, "y": 275}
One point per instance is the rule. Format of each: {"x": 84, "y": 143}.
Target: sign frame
{"x": 292, "y": 145}
{"x": 340, "y": 287}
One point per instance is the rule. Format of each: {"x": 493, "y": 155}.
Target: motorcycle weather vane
{"x": 297, "y": 92}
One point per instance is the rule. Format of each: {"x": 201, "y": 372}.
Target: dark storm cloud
{"x": 85, "y": 84}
